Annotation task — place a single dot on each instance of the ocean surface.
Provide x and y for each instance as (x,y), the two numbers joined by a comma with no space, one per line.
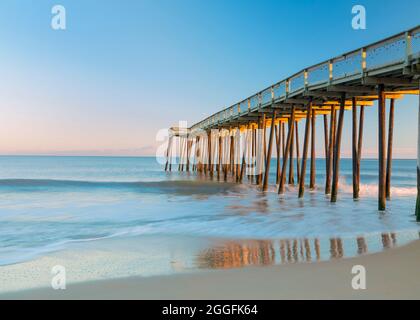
(51,204)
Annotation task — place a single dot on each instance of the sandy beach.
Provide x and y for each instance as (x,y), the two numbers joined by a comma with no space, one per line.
(392,274)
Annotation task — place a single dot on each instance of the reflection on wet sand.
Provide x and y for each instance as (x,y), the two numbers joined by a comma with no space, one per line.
(234,254)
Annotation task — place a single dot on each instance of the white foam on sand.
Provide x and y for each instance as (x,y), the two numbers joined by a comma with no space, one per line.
(106,259)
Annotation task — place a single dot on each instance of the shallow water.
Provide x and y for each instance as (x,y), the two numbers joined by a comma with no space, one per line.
(47,204)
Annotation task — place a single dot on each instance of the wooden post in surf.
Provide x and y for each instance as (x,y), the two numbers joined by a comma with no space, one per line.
(313,158)
(264,128)
(205,153)
(181,154)
(231,152)
(291,171)
(283,134)
(245,152)
(389,155)
(326,141)
(337,149)
(238,153)
(194,155)
(278,137)
(226,156)
(219,155)
(210,165)
(270,147)
(286,152)
(381,148)
(354,150)
(258,151)
(331,144)
(168,150)
(297,151)
(252,162)
(305,150)
(263,152)
(360,143)
(187,167)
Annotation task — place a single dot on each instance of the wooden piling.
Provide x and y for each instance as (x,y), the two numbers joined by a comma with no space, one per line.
(260,150)
(305,150)
(264,137)
(326,140)
(381,148)
(253,144)
(168,151)
(226,157)
(188,153)
(313,157)
(330,150)
(297,150)
(291,169)
(354,150)
(210,165)
(337,150)
(232,154)
(360,143)
(283,134)
(270,146)
(219,155)
(181,155)
(389,156)
(286,152)
(246,148)
(278,146)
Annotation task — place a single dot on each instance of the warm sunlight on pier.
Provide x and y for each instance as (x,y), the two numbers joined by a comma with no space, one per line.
(234,141)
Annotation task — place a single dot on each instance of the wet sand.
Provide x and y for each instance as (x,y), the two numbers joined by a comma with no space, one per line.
(393,274)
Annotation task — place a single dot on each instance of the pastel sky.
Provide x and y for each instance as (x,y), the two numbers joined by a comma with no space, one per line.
(122,70)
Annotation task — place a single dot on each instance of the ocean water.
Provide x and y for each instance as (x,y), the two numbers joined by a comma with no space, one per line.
(50,204)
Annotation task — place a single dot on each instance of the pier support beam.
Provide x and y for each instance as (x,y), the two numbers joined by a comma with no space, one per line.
(355,156)
(219,155)
(278,146)
(330,150)
(232,154)
(291,171)
(168,153)
(313,158)
(286,152)
(305,150)
(337,150)
(360,142)
(283,141)
(188,153)
(326,141)
(297,150)
(263,152)
(389,155)
(210,164)
(270,147)
(381,148)
(245,152)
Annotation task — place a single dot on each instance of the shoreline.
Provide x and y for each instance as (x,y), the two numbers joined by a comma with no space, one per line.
(391,274)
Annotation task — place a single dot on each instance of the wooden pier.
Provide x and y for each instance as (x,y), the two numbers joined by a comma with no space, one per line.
(233,144)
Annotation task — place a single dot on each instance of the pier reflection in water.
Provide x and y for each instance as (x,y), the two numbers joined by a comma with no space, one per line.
(235,254)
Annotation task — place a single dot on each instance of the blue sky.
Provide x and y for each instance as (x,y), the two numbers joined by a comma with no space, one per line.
(125,69)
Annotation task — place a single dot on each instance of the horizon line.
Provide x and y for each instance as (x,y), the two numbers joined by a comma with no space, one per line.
(149,156)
